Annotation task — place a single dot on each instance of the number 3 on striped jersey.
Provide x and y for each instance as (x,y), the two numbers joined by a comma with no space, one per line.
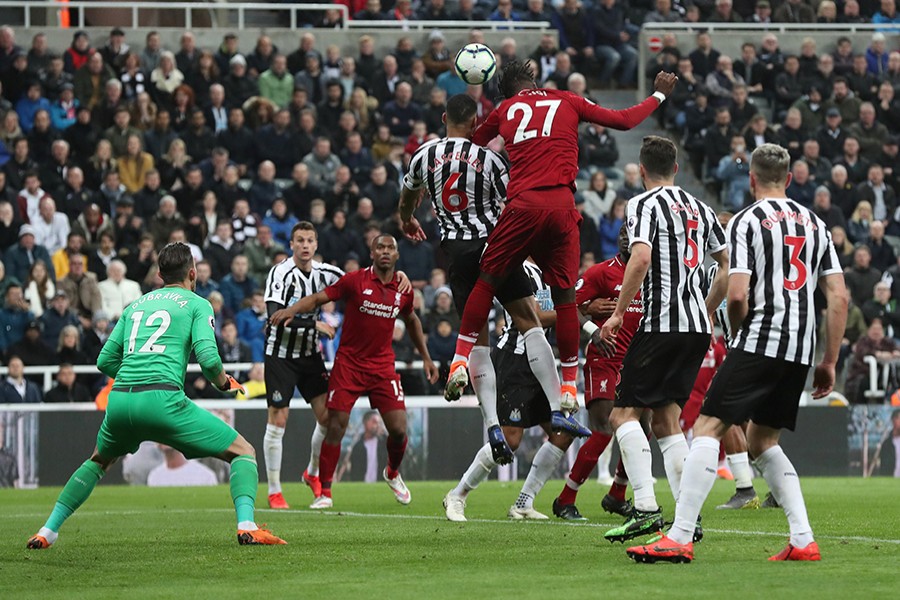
(454,199)
(796,243)
(693,258)
(522,133)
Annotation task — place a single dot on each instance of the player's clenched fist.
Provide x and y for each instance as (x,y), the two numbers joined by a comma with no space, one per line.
(665,83)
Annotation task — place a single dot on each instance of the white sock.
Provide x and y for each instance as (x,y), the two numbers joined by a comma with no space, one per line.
(272,452)
(698,480)
(740,468)
(477,472)
(48,534)
(315,447)
(782,478)
(604,460)
(546,459)
(484,382)
(247,526)
(638,462)
(674,449)
(543,364)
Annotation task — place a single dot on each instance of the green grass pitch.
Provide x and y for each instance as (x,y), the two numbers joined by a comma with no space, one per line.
(129,542)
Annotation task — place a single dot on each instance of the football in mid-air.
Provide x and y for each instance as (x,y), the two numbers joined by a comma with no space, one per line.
(475,64)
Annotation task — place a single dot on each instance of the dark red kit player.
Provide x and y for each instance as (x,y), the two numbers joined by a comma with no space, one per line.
(540,130)
(365,360)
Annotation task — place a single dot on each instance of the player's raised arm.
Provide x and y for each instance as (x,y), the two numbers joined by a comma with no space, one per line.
(628,118)
(414,328)
(111,354)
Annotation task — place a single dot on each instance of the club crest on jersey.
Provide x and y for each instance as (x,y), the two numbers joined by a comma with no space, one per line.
(367,292)
(603,385)
(515,415)
(397,297)
(579,284)
(277,397)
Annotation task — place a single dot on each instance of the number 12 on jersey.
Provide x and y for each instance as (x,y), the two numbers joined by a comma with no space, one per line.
(163,318)
(522,131)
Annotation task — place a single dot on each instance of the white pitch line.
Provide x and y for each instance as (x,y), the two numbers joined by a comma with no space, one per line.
(530,522)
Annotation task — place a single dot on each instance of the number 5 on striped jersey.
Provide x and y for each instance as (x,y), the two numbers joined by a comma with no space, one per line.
(692,258)
(795,244)
(453,199)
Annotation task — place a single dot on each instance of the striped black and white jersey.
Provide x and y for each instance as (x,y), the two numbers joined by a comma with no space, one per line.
(784,248)
(721,312)
(680,231)
(511,339)
(287,284)
(466,183)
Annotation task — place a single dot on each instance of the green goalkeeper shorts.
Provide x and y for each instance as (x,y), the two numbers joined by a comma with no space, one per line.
(165,416)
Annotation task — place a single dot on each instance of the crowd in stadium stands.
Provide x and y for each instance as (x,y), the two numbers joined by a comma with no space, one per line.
(108,152)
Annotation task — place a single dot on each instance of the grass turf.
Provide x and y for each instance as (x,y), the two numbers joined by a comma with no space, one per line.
(180,543)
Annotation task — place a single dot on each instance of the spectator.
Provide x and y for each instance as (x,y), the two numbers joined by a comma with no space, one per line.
(51,228)
(759,132)
(274,143)
(81,287)
(843,247)
(280,223)
(338,240)
(842,191)
(205,283)
(733,171)
(261,251)
(831,134)
(831,215)
(876,55)
(613,39)
(31,349)
(383,192)
(105,252)
(884,308)
(243,222)
(794,11)
(599,197)
(78,53)
(238,284)
(141,263)
(20,257)
(663,13)
(792,135)
(158,139)
(857,167)
(718,139)
(276,83)
(442,342)
(742,110)
(91,223)
(30,197)
(15,389)
(134,164)
(251,325)
(238,140)
(631,184)
(165,79)
(322,163)
(704,58)
(863,83)
(53,172)
(97,328)
(436,59)
(146,200)
(724,13)
(14,316)
(788,87)
(861,277)
(870,133)
(819,167)
(117,292)
(39,288)
(166,219)
(221,250)
(60,260)
(19,164)
(751,69)
(883,255)
(118,134)
(239,87)
(880,196)
(858,227)
(874,343)
(812,111)
(115,50)
(29,104)
(609,227)
(57,318)
(401,112)
(231,348)
(443,309)
(67,389)
(802,189)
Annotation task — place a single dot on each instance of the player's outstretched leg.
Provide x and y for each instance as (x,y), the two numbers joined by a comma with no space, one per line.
(545,461)
(564,505)
(484,382)
(73,495)
(782,478)
(738,459)
(272,450)
(475,315)
(478,471)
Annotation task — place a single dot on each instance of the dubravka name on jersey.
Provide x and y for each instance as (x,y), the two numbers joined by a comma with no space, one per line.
(173,296)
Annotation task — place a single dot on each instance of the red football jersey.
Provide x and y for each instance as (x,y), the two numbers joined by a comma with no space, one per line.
(371,307)
(604,280)
(540,128)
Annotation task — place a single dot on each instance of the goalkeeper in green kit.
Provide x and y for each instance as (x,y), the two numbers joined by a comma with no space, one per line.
(147,355)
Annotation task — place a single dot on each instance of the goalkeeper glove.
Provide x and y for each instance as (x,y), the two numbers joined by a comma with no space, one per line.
(232,385)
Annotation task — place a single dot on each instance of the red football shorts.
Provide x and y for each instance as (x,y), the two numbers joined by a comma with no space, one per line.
(600,380)
(691,411)
(347,383)
(551,237)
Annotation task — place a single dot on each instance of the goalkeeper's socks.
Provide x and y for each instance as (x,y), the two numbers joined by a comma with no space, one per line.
(49,535)
(243,483)
(74,494)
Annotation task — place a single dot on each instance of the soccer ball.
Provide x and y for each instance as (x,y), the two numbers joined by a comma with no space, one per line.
(475,64)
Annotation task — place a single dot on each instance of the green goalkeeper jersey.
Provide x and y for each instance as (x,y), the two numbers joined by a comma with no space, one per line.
(154,337)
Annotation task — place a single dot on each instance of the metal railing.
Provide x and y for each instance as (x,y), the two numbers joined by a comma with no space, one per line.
(428,25)
(77,9)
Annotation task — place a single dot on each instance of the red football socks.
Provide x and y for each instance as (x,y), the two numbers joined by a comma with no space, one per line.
(328,461)
(568,333)
(617,490)
(396,449)
(587,458)
(475,315)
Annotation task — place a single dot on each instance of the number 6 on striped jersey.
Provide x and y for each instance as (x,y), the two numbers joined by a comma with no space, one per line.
(796,243)
(454,200)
